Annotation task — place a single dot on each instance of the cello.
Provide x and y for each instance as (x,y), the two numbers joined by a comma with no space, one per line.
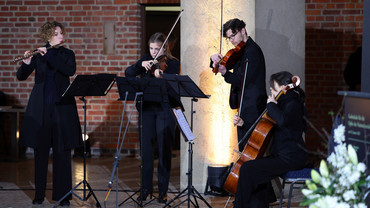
(258,141)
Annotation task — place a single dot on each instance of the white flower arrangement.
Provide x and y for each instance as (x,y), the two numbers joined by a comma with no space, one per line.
(343,183)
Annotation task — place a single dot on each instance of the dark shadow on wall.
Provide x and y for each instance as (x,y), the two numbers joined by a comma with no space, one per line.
(280,56)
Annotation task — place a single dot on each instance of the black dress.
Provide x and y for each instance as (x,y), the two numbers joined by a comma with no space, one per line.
(287,153)
(50,119)
(158,125)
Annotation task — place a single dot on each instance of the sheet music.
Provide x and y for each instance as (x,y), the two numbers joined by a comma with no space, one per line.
(185,128)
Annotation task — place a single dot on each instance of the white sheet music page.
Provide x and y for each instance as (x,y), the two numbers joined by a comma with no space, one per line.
(185,128)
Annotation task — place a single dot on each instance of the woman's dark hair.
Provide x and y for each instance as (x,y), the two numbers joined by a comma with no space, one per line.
(47,30)
(234,25)
(285,78)
(160,38)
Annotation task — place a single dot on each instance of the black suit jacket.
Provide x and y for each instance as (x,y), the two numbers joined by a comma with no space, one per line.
(288,142)
(69,128)
(255,97)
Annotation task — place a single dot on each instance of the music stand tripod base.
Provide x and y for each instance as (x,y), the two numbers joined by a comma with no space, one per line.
(87,85)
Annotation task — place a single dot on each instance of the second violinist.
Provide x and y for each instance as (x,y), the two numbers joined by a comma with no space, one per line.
(148,67)
(157,123)
(254,99)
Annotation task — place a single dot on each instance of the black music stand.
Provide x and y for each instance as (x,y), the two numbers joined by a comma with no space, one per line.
(87,85)
(148,89)
(184,86)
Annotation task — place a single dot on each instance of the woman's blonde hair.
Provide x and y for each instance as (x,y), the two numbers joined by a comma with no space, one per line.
(47,30)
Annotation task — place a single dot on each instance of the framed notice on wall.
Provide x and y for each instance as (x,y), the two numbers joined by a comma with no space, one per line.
(357,122)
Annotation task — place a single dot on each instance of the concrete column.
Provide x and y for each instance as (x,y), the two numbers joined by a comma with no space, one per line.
(213,128)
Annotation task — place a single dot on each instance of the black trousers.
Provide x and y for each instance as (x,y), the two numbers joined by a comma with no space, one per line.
(62,173)
(254,184)
(158,126)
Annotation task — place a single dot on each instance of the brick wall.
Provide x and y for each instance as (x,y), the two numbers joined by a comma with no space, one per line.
(84,19)
(333,31)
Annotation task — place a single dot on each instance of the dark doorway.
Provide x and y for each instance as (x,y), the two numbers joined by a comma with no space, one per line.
(160,21)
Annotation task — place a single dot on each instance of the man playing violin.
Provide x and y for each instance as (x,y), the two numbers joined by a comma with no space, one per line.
(254,98)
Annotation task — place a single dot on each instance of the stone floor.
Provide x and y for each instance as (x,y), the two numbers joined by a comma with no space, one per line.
(17,186)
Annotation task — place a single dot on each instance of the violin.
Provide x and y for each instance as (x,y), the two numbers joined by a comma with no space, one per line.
(231,57)
(258,141)
(159,63)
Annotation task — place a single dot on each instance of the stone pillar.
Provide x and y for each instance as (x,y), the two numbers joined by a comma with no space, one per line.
(213,128)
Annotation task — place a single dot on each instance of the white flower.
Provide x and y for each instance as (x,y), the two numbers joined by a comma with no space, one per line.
(348,195)
(340,183)
(339,134)
(361,205)
(361,167)
(354,177)
(306,192)
(327,202)
(352,154)
(324,169)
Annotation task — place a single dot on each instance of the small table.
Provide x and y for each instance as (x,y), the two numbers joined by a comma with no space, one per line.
(14,129)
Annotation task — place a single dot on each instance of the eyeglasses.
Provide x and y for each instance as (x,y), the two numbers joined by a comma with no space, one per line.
(232,36)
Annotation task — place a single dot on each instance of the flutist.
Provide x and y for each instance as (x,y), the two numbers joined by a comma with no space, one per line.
(51,121)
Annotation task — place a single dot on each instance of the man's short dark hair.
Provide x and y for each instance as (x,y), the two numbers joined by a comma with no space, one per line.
(234,25)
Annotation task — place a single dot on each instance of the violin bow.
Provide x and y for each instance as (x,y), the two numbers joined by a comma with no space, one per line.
(222,28)
(165,41)
(242,95)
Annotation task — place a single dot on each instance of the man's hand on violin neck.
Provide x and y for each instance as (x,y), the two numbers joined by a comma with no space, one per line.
(216,58)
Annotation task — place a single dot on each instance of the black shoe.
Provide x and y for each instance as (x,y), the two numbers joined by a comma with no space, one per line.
(37,201)
(145,193)
(162,198)
(64,203)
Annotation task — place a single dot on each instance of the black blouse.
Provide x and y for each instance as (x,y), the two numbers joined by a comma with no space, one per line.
(288,139)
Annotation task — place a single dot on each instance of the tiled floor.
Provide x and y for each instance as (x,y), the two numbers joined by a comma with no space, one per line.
(17,184)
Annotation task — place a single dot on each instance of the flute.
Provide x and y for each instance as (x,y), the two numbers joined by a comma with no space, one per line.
(20,58)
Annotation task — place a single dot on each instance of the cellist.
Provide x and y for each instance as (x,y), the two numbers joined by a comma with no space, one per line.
(288,151)
(254,99)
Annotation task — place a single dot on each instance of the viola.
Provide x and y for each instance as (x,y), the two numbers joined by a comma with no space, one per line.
(257,143)
(159,63)
(231,57)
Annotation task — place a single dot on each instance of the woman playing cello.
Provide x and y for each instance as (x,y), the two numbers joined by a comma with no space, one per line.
(287,149)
